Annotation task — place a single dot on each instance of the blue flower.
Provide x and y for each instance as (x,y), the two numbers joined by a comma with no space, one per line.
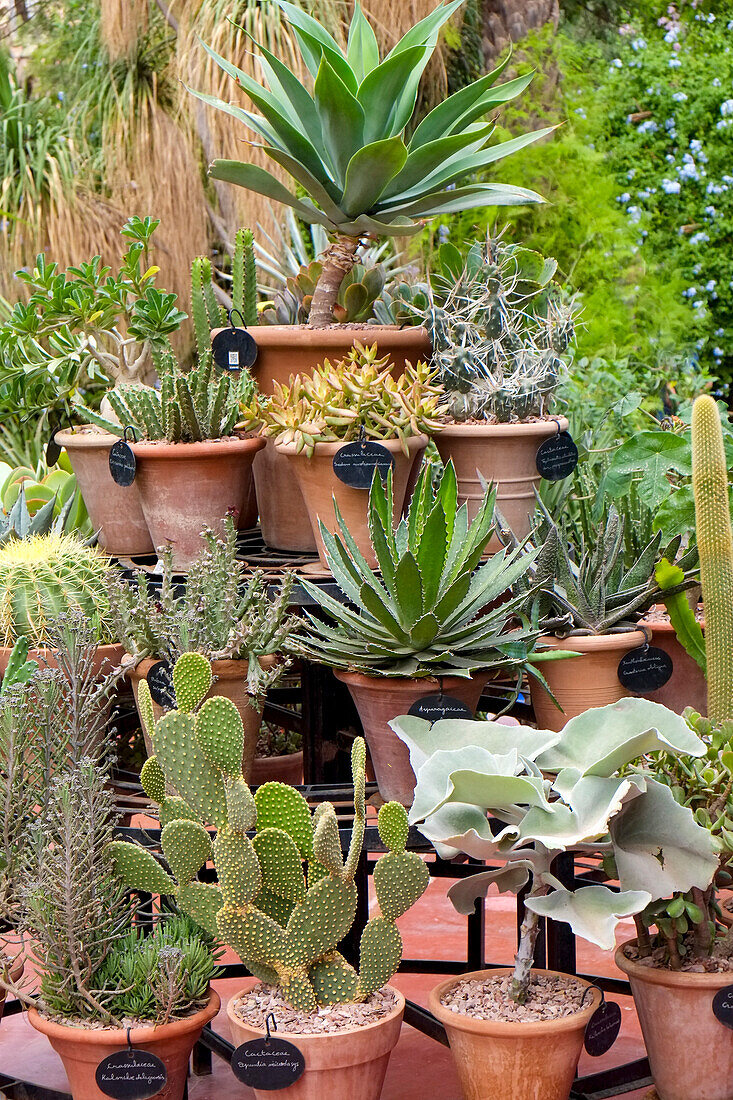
(675,63)
(617,63)
(638,44)
(671,187)
(698,304)
(699,238)
(623,198)
(690,292)
(710,284)
(580,111)
(634,213)
(718,353)
(726,107)
(679,97)
(710,211)
(716,81)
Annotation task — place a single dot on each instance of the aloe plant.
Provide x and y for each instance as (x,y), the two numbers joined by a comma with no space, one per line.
(427,610)
(585,806)
(344,144)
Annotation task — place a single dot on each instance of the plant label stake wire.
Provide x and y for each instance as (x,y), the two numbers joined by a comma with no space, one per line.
(234,348)
(131,1074)
(122,461)
(434,707)
(268,1063)
(557,457)
(354,463)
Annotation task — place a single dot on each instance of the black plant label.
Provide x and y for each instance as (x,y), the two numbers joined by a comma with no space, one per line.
(268,1064)
(557,457)
(233,349)
(354,463)
(602,1029)
(53,449)
(131,1074)
(723,1006)
(435,707)
(645,669)
(122,463)
(160,682)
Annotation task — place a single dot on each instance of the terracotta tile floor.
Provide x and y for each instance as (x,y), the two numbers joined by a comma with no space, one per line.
(420,1069)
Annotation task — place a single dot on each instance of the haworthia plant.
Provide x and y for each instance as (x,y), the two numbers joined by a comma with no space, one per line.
(284,924)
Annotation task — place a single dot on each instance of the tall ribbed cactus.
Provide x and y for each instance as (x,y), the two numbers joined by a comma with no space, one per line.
(244,277)
(284,924)
(45,576)
(715,546)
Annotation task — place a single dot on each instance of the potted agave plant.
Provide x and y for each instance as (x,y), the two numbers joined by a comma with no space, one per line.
(342,136)
(284,928)
(356,399)
(229,617)
(501,334)
(590,601)
(519,1033)
(680,960)
(426,622)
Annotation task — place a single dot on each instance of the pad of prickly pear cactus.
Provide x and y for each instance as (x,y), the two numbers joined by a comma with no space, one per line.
(220,734)
(277,908)
(238,868)
(280,864)
(192,678)
(285,808)
(145,708)
(187,770)
(380,952)
(393,826)
(172,808)
(187,847)
(327,842)
(152,779)
(320,921)
(400,878)
(254,936)
(202,901)
(298,992)
(241,808)
(139,869)
(334,981)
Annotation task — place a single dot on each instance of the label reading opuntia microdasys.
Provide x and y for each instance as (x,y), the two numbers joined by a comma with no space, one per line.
(131,1075)
(268,1064)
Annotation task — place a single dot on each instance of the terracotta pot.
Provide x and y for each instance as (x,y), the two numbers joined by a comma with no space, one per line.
(319,485)
(296,349)
(115,512)
(503,454)
(231,682)
(248,511)
(284,769)
(106,658)
(580,683)
(185,487)
(350,1064)
(378,700)
(82,1049)
(521,1061)
(16,973)
(687,686)
(690,1051)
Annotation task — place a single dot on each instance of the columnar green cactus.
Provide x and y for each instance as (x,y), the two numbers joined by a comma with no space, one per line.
(285,927)
(244,277)
(715,546)
(45,576)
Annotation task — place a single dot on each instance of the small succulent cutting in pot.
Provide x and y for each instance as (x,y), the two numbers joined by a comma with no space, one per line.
(357,174)
(519,1033)
(432,624)
(284,927)
(591,598)
(343,422)
(501,333)
(104,994)
(230,616)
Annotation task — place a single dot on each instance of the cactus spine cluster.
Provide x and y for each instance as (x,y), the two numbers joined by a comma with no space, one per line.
(715,547)
(283,923)
(45,576)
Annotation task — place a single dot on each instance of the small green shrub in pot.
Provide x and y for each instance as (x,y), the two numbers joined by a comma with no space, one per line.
(549,793)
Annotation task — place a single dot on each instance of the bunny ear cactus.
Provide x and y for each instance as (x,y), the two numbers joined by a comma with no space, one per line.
(343,138)
(284,924)
(583,806)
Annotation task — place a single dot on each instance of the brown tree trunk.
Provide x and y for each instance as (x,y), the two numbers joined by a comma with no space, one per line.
(338,260)
(507,21)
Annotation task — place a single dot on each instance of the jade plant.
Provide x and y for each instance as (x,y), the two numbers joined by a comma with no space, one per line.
(284,925)
(524,797)
(357,397)
(342,136)
(431,608)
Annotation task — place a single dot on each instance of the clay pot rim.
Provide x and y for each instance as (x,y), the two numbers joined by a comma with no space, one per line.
(106,650)
(316,1040)
(207,448)
(506,1029)
(227,668)
(528,428)
(673,979)
(139,1036)
(335,336)
(283,756)
(595,643)
(327,449)
(362,680)
(85,436)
